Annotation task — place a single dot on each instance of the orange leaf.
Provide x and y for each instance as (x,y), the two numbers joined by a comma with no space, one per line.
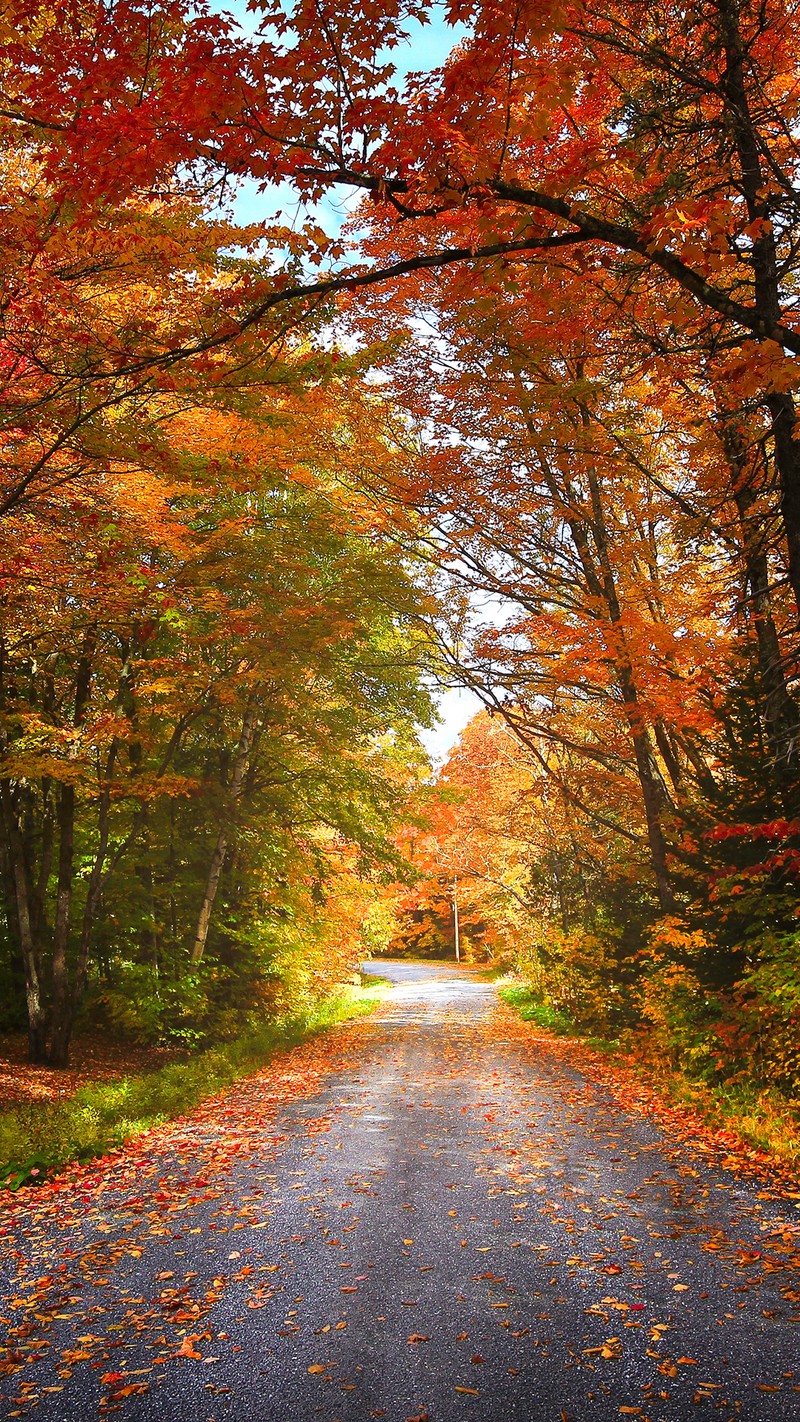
(187,1348)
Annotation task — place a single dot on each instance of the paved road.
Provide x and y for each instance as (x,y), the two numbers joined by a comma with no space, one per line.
(449,1224)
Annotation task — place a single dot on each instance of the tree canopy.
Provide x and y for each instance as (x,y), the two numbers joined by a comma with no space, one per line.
(527,423)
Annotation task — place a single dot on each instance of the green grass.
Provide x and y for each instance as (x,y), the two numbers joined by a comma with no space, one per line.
(36,1140)
(531,1009)
(371,979)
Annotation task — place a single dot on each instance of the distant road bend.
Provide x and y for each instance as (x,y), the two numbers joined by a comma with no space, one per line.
(425,1217)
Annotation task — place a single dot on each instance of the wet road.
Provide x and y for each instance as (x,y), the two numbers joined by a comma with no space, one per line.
(429,1216)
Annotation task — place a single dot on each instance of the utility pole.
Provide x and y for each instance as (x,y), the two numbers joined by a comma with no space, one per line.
(455,919)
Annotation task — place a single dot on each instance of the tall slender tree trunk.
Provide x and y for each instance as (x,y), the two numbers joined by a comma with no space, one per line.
(25,919)
(63,1002)
(600,580)
(766,275)
(780,711)
(654,794)
(221,847)
(62,1012)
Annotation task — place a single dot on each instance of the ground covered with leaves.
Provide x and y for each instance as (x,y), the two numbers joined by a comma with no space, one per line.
(433,1213)
(81,1114)
(93,1058)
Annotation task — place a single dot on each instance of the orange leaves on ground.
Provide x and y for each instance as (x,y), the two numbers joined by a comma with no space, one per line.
(188,1349)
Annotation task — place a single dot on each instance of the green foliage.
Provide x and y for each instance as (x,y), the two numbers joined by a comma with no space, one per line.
(210,1003)
(36,1139)
(745,1032)
(767,1004)
(580,975)
(533,1009)
(227,643)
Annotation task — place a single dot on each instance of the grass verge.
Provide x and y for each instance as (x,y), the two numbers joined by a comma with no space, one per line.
(37,1140)
(532,1009)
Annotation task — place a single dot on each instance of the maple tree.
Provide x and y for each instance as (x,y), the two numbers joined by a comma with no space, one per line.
(527,425)
(548,129)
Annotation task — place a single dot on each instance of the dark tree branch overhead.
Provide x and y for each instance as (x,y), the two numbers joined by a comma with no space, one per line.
(589,229)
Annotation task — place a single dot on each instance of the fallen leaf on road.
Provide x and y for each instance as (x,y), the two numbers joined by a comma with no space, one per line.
(187,1349)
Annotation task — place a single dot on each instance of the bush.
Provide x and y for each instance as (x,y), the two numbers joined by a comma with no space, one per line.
(576,974)
(766,1001)
(209,1003)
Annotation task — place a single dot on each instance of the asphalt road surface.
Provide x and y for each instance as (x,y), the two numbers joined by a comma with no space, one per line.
(427,1217)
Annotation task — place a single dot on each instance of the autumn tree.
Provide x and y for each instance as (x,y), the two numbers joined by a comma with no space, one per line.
(215,639)
(658,154)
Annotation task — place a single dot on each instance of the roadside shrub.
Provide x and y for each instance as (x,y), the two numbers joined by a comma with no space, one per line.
(210,1003)
(680,1013)
(766,1001)
(575,975)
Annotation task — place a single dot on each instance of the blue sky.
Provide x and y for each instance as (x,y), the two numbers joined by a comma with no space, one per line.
(427,47)
(456,708)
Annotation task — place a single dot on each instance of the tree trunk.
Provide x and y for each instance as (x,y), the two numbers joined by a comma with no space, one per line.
(24,925)
(601,583)
(766,280)
(62,1010)
(221,846)
(654,793)
(63,1001)
(780,711)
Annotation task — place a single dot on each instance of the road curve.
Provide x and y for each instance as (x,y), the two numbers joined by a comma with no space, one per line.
(427,1217)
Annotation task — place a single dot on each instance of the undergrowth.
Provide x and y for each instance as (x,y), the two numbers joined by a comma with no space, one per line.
(531,1009)
(762,1116)
(36,1140)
